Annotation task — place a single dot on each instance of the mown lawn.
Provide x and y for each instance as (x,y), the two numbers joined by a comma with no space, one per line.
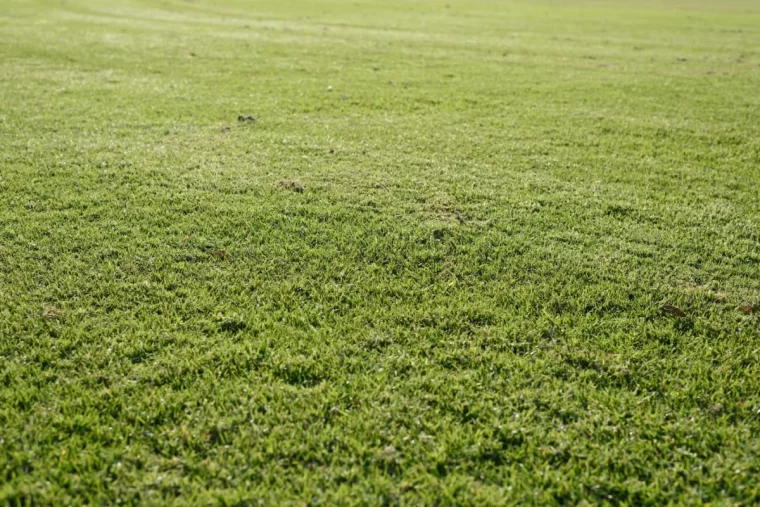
(430,271)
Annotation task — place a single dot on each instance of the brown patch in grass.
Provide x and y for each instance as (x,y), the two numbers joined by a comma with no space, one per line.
(292,185)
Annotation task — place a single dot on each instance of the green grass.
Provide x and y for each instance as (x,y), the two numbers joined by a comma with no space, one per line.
(461,307)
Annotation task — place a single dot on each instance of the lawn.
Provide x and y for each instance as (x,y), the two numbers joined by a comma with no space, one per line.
(379,252)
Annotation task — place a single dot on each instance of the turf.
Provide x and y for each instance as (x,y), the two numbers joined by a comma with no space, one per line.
(431,271)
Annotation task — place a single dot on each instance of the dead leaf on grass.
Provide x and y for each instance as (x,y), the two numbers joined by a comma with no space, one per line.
(673,310)
(747,308)
(51,312)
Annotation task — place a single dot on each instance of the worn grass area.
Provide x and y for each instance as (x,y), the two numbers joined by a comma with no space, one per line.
(430,271)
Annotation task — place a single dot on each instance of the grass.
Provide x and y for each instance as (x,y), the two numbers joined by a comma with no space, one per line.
(431,271)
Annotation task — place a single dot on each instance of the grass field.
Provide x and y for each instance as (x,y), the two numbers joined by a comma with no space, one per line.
(431,271)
